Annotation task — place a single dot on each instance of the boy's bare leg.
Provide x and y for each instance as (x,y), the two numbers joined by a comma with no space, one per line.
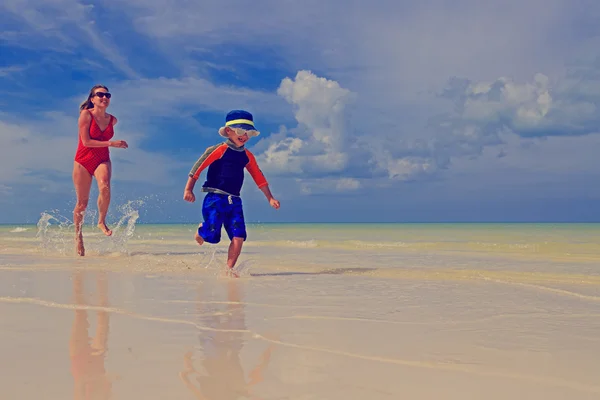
(198,237)
(235,248)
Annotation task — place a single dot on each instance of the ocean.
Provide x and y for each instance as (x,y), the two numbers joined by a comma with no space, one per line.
(373,249)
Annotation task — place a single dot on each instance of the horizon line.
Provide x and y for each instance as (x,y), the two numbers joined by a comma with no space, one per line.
(352,222)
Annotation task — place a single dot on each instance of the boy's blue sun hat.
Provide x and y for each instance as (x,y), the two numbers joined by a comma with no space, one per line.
(240,119)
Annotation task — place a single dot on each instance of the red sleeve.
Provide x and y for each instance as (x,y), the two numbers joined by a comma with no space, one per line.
(255,171)
(211,154)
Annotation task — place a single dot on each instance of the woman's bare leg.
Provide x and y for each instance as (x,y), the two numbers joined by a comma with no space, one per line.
(103,175)
(82,180)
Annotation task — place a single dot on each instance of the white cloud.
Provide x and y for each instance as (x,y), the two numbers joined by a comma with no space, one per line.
(61,25)
(11,70)
(28,150)
(542,169)
(347,184)
(5,190)
(319,104)
(328,185)
(487,111)
(530,109)
(184,19)
(525,104)
(318,145)
(408,168)
(322,146)
(187,96)
(282,156)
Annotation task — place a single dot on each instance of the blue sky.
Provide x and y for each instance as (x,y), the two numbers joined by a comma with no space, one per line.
(369,111)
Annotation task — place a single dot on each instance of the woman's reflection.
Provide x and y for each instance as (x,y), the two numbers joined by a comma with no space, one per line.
(88,354)
(223,377)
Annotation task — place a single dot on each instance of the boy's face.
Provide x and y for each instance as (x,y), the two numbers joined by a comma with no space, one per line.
(237,135)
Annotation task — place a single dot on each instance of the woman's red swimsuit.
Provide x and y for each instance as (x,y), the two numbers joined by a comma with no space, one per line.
(91,157)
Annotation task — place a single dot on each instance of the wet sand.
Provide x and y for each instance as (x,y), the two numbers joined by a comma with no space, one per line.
(128,336)
(160,322)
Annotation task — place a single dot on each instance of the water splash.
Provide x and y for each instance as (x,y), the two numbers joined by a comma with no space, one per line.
(123,230)
(52,232)
(56,232)
(243,268)
(214,259)
(212,255)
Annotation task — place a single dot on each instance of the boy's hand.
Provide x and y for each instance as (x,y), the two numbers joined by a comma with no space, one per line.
(188,195)
(274,203)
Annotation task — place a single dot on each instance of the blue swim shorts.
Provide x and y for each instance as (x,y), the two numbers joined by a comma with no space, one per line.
(220,210)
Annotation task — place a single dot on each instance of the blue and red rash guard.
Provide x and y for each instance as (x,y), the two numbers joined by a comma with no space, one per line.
(226,164)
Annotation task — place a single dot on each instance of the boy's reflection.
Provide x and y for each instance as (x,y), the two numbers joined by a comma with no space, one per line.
(87,359)
(224,376)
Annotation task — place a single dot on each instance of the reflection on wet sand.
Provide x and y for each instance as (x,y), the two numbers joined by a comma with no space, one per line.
(87,354)
(223,377)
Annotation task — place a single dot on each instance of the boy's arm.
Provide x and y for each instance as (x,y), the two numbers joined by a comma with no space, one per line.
(272,201)
(210,155)
(267,192)
(260,180)
(188,192)
(255,172)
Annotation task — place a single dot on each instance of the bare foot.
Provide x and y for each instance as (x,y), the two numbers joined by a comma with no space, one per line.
(79,245)
(199,238)
(232,273)
(102,226)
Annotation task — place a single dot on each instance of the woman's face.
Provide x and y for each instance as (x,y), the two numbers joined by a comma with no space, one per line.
(101,98)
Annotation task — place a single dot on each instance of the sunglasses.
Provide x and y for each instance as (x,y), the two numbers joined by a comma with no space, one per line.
(242,132)
(102,94)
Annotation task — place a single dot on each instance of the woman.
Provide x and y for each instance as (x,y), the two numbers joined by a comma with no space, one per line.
(96,129)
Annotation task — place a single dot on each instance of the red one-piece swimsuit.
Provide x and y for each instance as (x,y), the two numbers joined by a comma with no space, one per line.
(91,157)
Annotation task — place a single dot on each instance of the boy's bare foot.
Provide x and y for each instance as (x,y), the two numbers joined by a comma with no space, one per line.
(102,226)
(232,273)
(199,238)
(79,245)
(229,272)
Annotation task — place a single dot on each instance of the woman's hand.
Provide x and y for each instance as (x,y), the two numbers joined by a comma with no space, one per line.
(120,144)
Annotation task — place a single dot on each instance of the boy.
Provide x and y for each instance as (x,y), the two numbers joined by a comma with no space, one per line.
(222,204)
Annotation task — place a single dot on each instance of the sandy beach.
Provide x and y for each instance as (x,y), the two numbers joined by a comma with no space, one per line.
(147,314)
